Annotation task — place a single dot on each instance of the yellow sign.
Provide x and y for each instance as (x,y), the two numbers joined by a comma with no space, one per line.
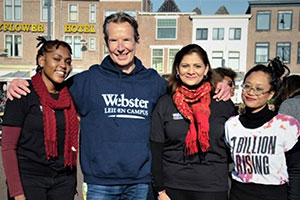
(72,28)
(21,27)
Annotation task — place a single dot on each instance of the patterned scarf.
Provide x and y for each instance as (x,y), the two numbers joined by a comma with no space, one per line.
(50,104)
(198,115)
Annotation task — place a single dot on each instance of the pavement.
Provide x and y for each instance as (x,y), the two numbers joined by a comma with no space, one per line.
(3,189)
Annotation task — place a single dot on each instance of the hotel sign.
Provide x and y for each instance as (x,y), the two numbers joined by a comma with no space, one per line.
(73,28)
(21,27)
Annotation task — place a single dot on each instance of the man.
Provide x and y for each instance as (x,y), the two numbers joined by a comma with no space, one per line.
(229,75)
(115,101)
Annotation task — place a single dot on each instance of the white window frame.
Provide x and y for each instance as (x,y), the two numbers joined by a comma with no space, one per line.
(92,12)
(234,32)
(281,48)
(41,13)
(13,10)
(218,34)
(215,57)
(201,31)
(13,46)
(281,20)
(162,56)
(261,13)
(69,12)
(90,47)
(170,64)
(262,45)
(72,45)
(166,18)
(234,59)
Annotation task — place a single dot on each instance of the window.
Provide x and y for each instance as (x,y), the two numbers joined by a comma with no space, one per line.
(74,42)
(234,60)
(73,12)
(13,44)
(157,59)
(235,33)
(263,20)
(285,20)
(298,59)
(132,13)
(44,11)
(217,59)
(13,10)
(218,34)
(172,53)
(166,28)
(92,13)
(261,52)
(105,51)
(201,33)
(109,12)
(92,44)
(284,51)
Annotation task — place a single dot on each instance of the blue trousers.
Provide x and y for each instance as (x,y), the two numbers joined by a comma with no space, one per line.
(117,192)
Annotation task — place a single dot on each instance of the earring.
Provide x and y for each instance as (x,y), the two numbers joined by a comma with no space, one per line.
(177,76)
(204,77)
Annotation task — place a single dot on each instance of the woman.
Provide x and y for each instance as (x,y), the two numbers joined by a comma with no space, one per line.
(259,139)
(290,95)
(190,161)
(40,131)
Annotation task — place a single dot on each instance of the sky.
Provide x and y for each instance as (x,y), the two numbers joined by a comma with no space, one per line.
(207,7)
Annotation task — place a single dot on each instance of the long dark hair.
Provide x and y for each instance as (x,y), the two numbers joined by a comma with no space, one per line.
(46,46)
(290,87)
(174,82)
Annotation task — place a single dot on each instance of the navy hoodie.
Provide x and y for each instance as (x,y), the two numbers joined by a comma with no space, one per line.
(115,110)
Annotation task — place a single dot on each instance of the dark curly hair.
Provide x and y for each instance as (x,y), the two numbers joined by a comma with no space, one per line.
(276,71)
(47,46)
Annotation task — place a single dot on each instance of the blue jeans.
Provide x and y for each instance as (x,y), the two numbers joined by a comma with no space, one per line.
(117,192)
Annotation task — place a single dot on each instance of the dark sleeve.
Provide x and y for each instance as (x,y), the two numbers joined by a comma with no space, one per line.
(293,164)
(157,143)
(15,111)
(157,121)
(10,136)
(157,166)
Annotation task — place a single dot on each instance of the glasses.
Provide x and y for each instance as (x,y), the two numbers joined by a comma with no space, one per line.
(257,91)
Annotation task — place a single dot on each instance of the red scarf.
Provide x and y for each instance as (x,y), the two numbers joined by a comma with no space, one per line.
(198,114)
(50,104)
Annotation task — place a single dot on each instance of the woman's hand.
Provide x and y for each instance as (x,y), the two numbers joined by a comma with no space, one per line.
(20,197)
(163,196)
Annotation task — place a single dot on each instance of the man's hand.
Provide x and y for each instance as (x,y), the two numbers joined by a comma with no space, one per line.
(16,88)
(20,197)
(222,91)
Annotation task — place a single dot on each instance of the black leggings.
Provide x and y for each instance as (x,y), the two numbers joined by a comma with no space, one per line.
(176,194)
(59,187)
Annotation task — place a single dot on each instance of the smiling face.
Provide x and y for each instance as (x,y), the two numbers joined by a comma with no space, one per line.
(192,69)
(260,81)
(122,45)
(56,67)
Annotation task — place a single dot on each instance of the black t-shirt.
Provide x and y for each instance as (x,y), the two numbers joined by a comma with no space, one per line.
(27,114)
(207,172)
